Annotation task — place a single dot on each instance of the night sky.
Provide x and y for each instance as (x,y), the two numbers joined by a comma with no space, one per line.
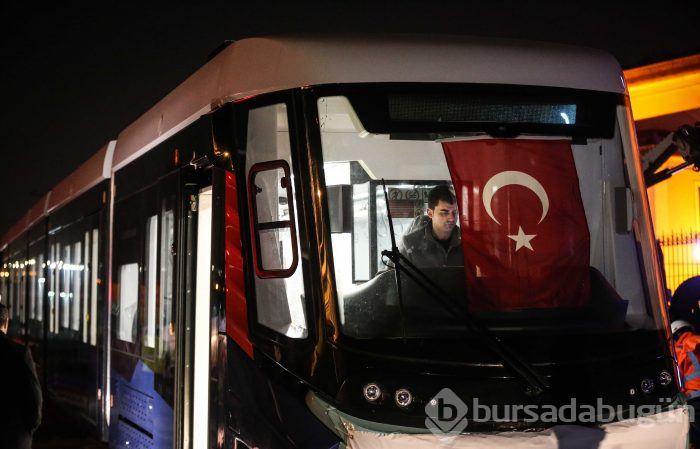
(74,76)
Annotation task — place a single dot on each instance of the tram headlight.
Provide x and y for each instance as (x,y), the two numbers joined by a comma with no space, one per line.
(372,392)
(665,378)
(647,385)
(403,397)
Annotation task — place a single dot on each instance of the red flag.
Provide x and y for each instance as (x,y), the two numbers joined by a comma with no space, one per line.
(524,233)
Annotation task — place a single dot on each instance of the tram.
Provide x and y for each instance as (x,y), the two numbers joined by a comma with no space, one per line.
(227,272)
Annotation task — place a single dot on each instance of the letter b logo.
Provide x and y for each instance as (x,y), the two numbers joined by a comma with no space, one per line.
(446,415)
(446,411)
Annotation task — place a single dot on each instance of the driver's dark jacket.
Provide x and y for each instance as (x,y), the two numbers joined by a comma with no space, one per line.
(424,251)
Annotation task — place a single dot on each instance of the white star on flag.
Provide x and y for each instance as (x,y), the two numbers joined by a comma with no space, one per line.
(522,239)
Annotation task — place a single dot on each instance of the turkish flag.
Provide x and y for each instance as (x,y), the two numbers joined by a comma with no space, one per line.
(524,233)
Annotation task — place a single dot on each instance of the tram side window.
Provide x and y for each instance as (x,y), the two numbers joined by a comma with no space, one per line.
(68,280)
(39,284)
(76,292)
(52,265)
(151,272)
(128,301)
(22,294)
(279,283)
(93,285)
(3,284)
(31,271)
(138,277)
(166,328)
(65,286)
(86,282)
(127,265)
(85,275)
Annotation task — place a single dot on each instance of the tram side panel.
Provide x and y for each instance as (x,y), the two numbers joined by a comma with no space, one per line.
(36,291)
(266,405)
(74,267)
(16,274)
(146,326)
(269,316)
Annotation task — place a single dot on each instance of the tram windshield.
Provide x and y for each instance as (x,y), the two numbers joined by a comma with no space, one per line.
(519,210)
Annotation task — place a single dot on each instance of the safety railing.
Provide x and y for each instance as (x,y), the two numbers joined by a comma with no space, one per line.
(681,254)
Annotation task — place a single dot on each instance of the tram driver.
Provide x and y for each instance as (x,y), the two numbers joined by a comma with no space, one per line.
(435,241)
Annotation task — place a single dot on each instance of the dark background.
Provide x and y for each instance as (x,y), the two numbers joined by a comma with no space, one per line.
(74,75)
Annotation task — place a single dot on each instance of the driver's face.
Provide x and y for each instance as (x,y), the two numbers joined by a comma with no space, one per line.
(444,218)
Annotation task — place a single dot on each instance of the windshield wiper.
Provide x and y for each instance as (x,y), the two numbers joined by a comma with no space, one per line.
(397,273)
(536,384)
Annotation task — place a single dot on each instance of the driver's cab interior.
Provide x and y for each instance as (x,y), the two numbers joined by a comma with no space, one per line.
(362,169)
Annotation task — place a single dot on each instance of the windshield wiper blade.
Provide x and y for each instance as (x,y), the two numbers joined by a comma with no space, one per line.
(397,273)
(536,384)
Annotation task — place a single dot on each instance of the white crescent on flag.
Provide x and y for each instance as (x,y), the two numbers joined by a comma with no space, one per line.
(506,178)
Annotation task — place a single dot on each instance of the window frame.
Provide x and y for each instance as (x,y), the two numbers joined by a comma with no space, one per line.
(268,340)
(256,227)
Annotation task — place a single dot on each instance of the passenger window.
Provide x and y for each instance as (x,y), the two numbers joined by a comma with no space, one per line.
(65,287)
(76,292)
(53,287)
(93,286)
(85,275)
(128,301)
(279,282)
(40,283)
(31,271)
(166,330)
(151,271)
(129,229)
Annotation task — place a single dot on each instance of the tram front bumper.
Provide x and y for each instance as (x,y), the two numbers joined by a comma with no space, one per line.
(665,430)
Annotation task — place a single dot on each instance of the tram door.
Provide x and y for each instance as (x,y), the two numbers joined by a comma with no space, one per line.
(165,317)
(146,254)
(201,358)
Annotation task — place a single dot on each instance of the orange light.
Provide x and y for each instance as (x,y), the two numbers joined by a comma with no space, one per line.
(664,88)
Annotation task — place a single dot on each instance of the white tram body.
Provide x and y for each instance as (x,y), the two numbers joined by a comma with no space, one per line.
(245,265)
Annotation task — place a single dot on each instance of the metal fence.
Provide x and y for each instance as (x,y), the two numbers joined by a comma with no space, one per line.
(681,257)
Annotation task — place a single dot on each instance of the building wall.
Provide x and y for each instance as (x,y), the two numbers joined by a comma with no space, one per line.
(675,202)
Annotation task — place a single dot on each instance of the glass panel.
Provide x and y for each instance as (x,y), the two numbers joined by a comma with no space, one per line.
(76,269)
(85,275)
(166,329)
(360,234)
(280,302)
(93,287)
(22,309)
(4,273)
(151,275)
(128,302)
(276,249)
(52,265)
(65,295)
(271,198)
(40,288)
(512,200)
(32,270)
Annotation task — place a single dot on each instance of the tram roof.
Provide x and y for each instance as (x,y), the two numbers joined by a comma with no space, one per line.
(94,170)
(255,66)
